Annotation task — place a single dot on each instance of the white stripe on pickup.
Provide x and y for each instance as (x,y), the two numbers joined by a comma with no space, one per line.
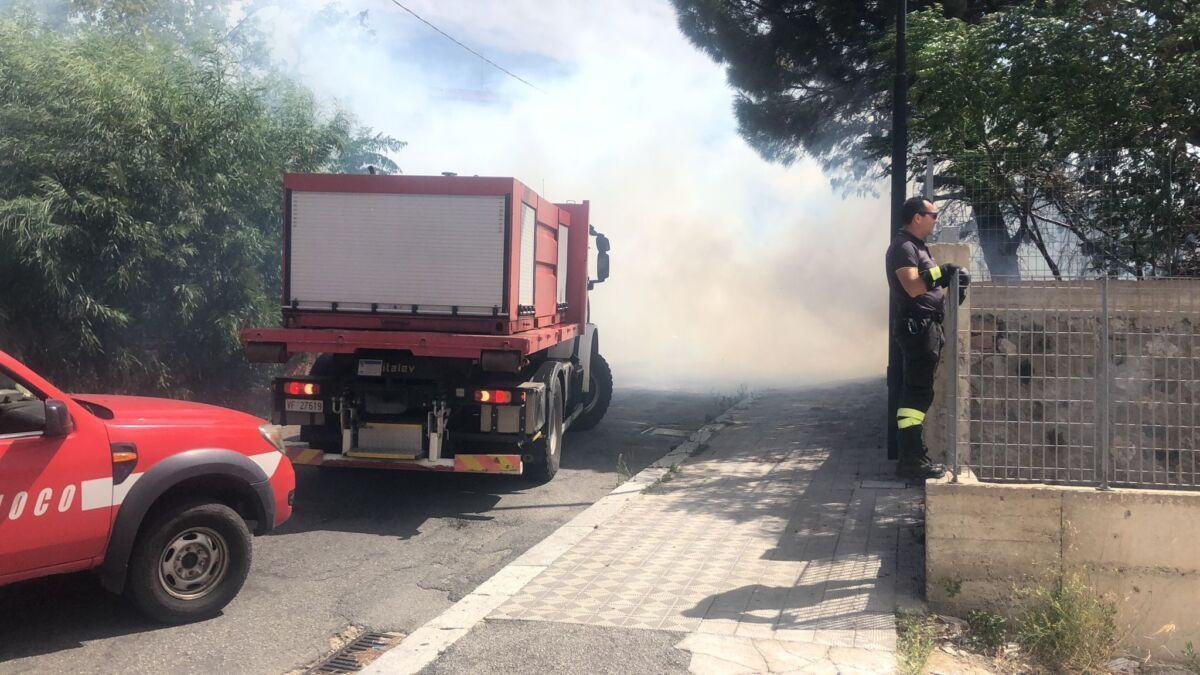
(96,494)
(100,493)
(268,462)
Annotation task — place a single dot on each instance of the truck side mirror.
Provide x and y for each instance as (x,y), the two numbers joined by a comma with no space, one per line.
(602,248)
(58,420)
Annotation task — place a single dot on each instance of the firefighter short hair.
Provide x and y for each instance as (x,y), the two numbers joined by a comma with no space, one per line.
(911,207)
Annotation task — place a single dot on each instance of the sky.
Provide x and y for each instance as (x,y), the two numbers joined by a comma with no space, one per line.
(726,269)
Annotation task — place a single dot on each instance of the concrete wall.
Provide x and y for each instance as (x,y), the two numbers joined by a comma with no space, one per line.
(983,540)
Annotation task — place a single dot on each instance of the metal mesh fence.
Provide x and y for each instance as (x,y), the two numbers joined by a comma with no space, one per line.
(1033,370)
(1088,382)
(1154,382)
(1083,356)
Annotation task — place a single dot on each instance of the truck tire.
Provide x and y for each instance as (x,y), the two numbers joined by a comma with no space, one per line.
(596,401)
(189,562)
(547,450)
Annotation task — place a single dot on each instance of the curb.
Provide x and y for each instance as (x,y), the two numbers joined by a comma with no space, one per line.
(424,645)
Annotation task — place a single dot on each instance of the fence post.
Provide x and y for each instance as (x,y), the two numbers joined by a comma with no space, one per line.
(1103,432)
(952,393)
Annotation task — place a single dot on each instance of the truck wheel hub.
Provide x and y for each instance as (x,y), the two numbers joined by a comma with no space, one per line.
(193,564)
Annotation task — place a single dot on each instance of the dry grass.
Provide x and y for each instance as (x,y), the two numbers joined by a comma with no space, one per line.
(1068,626)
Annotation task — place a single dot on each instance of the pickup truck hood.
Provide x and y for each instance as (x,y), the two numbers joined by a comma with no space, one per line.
(142,410)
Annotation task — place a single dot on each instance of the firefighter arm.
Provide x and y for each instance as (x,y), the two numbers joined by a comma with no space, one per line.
(910,279)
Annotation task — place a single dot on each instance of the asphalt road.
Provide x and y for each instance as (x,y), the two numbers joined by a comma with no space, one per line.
(377,550)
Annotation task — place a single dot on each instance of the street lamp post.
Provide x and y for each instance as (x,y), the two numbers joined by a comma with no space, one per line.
(899,189)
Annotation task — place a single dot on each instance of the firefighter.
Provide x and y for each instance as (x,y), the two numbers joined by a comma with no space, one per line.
(918,284)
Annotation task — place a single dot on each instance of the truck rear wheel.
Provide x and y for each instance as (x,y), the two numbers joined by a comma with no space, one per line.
(599,396)
(547,450)
(189,562)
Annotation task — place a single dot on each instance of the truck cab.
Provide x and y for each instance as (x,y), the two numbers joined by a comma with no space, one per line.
(158,496)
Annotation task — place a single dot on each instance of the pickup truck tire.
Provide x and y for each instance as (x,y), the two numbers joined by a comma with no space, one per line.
(189,562)
(597,399)
(547,450)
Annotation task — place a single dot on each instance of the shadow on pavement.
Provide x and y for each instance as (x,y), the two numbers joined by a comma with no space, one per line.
(67,612)
(829,605)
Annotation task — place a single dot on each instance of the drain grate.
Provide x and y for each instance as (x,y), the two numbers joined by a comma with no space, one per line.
(357,654)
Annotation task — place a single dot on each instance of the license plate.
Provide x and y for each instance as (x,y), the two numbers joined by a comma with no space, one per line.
(307,405)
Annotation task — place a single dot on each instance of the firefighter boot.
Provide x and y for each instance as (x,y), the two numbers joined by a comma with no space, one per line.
(914,461)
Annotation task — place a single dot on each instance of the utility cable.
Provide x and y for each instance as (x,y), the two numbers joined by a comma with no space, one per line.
(451,38)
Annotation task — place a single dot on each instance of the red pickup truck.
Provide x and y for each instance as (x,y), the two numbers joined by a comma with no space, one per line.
(158,496)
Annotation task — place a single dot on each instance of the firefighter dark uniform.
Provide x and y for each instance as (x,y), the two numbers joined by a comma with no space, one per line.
(918,330)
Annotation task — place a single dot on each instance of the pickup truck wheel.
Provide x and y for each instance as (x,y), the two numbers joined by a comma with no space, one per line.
(547,450)
(599,396)
(189,562)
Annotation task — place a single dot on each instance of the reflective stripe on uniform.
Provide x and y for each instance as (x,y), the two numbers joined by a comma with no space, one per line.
(935,272)
(912,413)
(906,422)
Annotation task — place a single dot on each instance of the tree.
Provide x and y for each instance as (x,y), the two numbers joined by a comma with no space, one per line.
(143,143)
(140,206)
(1072,131)
(364,149)
(1083,111)
(812,76)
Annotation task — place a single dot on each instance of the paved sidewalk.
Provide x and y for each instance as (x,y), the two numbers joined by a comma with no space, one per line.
(784,545)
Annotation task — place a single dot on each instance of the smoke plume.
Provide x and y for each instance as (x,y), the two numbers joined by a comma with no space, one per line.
(725,269)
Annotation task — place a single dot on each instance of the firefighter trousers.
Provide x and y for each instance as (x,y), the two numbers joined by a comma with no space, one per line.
(921,341)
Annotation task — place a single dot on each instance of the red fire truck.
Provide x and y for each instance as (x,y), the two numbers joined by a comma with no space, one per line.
(449,319)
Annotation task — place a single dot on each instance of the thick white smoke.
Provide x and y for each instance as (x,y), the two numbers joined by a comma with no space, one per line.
(726,269)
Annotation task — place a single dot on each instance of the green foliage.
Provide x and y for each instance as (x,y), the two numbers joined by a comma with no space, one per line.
(915,637)
(364,149)
(140,206)
(811,76)
(1115,85)
(142,144)
(988,632)
(1191,659)
(1004,88)
(1068,626)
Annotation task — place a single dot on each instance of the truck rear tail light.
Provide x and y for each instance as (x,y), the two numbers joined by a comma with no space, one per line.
(497,396)
(301,388)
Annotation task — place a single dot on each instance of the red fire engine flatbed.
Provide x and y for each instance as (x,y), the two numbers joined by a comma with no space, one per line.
(446,345)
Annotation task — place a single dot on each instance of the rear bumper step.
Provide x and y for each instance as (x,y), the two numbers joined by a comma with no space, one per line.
(491,463)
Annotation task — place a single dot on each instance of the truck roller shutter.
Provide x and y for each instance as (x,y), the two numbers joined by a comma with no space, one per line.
(561,271)
(391,252)
(528,256)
